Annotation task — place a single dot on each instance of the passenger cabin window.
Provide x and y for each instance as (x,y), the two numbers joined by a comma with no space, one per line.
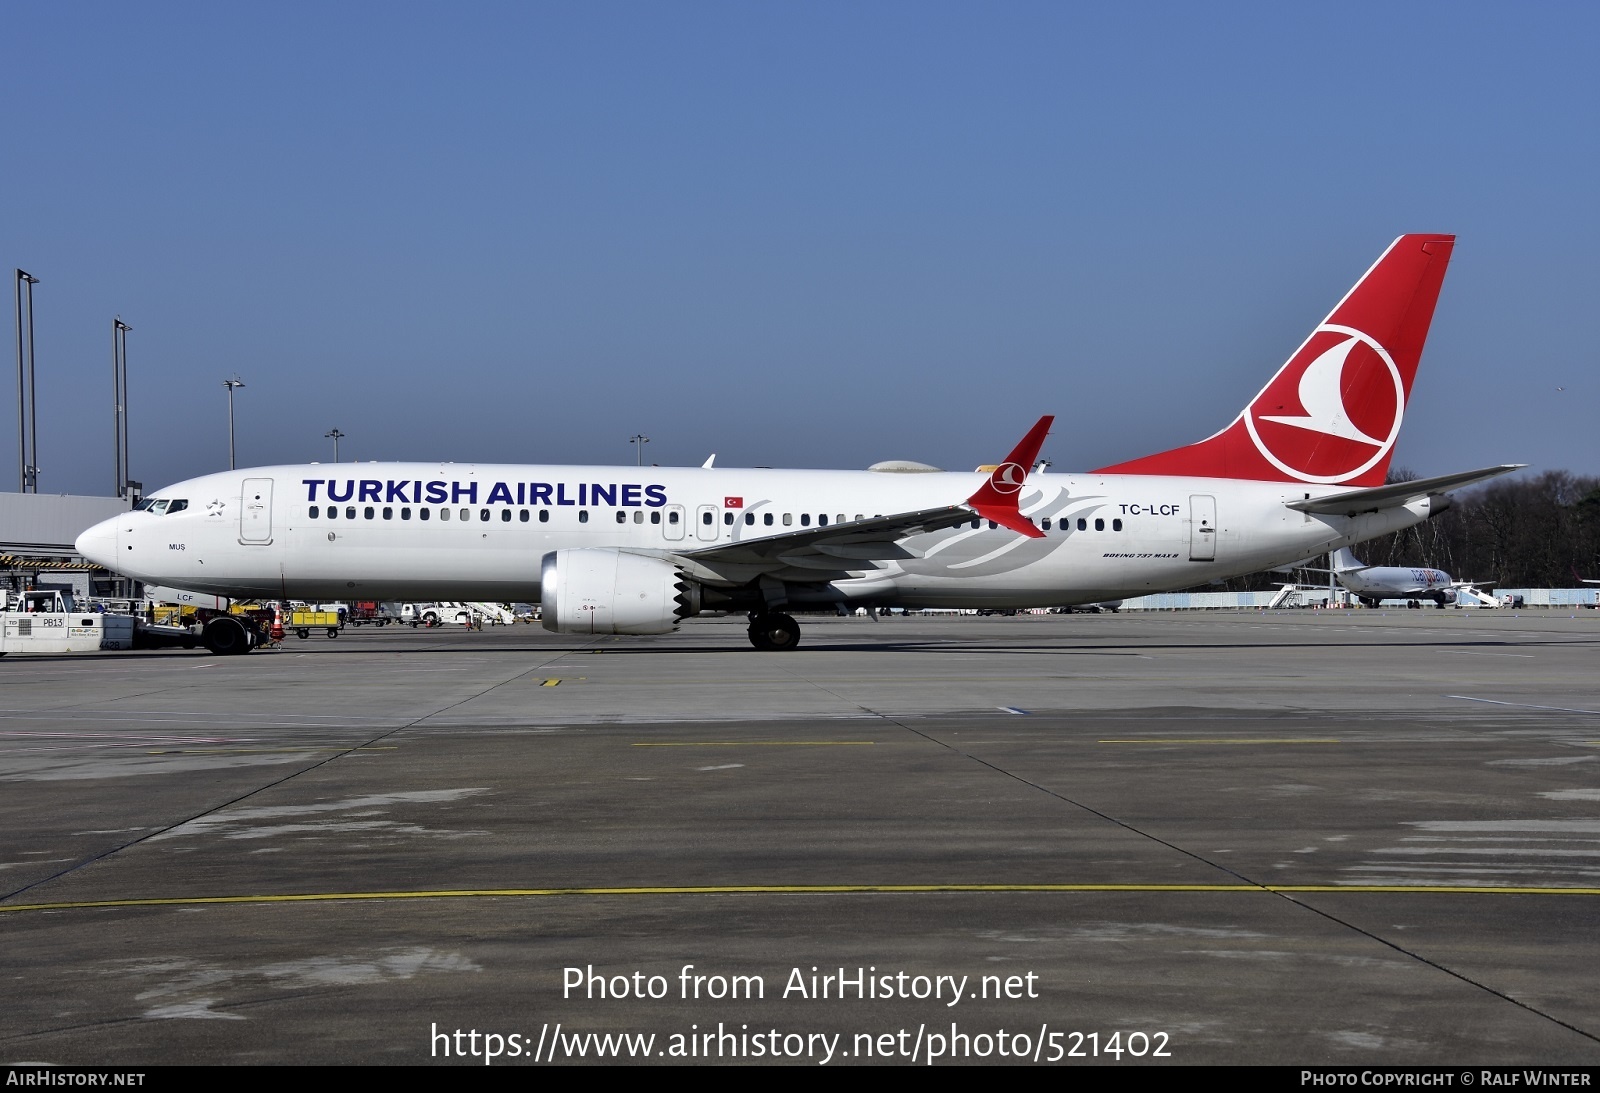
(638,517)
(766,518)
(622,517)
(705,518)
(444,514)
(672,518)
(312,512)
(788,519)
(1083,525)
(655,518)
(583,516)
(749,518)
(466,514)
(367,512)
(483,514)
(1046,523)
(388,513)
(405,514)
(522,514)
(544,516)
(1099,524)
(727,518)
(349,512)
(1116,525)
(805,519)
(424,514)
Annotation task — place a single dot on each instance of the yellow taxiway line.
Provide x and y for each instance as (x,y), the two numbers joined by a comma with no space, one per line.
(813,890)
(756,744)
(1239,740)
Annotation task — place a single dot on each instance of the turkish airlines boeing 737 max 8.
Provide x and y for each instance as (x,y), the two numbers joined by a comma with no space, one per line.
(612,550)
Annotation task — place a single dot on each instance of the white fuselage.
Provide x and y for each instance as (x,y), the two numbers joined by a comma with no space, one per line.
(409,531)
(1394,582)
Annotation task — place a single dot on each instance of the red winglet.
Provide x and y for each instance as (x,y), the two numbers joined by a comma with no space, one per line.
(996,499)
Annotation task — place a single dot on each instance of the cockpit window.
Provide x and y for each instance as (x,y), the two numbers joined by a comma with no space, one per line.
(177,506)
(158,506)
(144,503)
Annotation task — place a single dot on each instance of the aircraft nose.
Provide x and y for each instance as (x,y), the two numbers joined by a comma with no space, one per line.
(99,543)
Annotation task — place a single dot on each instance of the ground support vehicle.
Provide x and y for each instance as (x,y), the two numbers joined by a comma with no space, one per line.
(364,612)
(303,620)
(238,630)
(50,622)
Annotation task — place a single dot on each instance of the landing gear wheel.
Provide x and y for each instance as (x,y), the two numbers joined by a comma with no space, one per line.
(226,637)
(773,632)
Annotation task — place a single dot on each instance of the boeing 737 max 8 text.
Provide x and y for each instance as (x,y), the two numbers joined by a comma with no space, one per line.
(611,550)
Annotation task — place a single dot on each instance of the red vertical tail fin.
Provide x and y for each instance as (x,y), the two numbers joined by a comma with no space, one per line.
(1333,411)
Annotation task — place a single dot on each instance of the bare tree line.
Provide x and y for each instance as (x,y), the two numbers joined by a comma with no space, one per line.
(1538,532)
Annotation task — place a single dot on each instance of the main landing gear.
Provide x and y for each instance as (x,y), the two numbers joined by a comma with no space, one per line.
(773,630)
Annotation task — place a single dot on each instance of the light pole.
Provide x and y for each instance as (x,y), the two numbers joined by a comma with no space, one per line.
(335,434)
(119,398)
(27,410)
(230,385)
(641,440)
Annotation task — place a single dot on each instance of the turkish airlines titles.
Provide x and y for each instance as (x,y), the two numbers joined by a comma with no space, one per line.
(418,492)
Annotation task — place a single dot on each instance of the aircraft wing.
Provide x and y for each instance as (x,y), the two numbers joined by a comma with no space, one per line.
(835,549)
(1397,493)
(829,553)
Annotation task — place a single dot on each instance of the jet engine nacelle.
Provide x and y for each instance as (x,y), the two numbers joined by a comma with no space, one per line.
(588,590)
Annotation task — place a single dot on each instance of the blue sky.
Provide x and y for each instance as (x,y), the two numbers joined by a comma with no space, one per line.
(792,234)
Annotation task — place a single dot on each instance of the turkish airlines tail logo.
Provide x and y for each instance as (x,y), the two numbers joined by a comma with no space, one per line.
(1332,413)
(1350,400)
(1322,395)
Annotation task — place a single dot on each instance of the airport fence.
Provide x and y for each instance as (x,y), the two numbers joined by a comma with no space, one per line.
(1189,601)
(1202,601)
(1553,597)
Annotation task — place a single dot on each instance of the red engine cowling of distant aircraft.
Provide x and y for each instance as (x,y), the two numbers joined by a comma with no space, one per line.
(588,590)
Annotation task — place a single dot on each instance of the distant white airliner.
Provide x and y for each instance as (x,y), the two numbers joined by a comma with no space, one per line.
(1372,584)
(615,550)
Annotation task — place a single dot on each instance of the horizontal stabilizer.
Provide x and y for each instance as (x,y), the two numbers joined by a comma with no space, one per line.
(1397,493)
